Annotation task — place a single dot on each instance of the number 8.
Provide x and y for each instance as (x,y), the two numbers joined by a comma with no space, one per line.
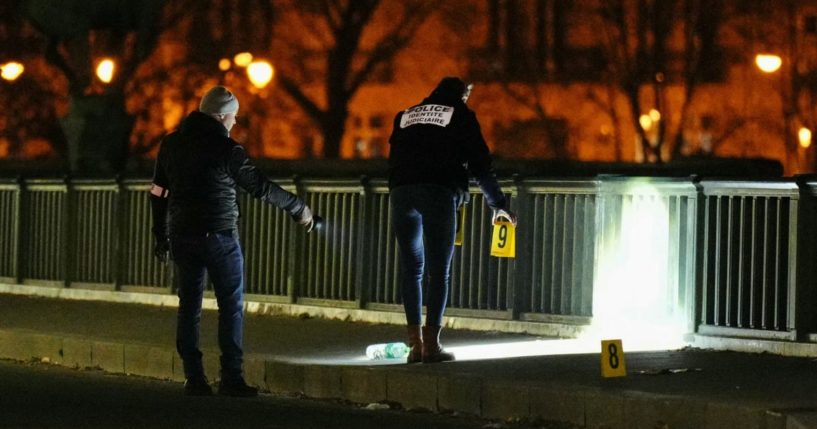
(613,355)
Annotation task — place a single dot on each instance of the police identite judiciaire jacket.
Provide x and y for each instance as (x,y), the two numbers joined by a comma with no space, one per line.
(439,141)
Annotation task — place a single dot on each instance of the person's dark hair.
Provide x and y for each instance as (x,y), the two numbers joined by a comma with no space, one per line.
(449,89)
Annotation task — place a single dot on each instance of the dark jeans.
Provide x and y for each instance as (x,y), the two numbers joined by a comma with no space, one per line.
(428,211)
(220,255)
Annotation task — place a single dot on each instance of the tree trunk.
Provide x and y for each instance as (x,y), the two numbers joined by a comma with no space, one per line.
(493,28)
(541,37)
(333,128)
(560,44)
(616,120)
(635,107)
(97,129)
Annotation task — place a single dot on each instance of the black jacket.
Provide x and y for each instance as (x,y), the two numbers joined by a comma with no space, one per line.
(194,182)
(439,141)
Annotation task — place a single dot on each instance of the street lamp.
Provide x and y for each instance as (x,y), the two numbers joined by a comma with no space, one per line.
(768,63)
(243,59)
(11,71)
(105,70)
(645,121)
(260,73)
(804,135)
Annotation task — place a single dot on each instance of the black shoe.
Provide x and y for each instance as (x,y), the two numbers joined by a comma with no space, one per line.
(197,386)
(237,387)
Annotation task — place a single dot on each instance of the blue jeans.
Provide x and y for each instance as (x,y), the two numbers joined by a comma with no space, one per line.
(428,211)
(220,255)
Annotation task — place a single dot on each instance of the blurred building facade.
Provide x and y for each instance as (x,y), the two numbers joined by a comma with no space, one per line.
(592,80)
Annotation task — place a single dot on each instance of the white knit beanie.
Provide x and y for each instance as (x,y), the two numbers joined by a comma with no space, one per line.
(218,100)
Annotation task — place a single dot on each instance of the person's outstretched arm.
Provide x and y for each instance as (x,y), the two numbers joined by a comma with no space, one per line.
(256,183)
(480,165)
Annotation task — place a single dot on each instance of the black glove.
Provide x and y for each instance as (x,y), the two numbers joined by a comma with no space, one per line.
(161,249)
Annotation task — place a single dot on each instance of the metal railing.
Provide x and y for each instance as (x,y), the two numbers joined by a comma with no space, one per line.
(732,252)
(137,269)
(749,256)
(10,217)
(556,263)
(45,233)
(92,228)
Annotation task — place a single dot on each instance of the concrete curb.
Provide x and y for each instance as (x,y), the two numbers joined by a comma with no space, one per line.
(471,394)
(754,345)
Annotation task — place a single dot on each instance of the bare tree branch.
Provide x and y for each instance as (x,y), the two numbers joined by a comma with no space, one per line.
(302,99)
(53,56)
(385,49)
(525,100)
(332,13)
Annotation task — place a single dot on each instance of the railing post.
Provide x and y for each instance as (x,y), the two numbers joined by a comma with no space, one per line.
(806,252)
(295,242)
(18,233)
(793,285)
(698,258)
(702,258)
(364,222)
(518,283)
(67,232)
(119,223)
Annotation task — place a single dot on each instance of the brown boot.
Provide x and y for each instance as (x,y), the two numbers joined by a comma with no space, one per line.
(432,350)
(415,342)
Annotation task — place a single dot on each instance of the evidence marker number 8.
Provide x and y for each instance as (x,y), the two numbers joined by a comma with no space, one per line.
(612,359)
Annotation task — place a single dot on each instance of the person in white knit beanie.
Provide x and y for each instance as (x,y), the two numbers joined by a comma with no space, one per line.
(221,104)
(194,203)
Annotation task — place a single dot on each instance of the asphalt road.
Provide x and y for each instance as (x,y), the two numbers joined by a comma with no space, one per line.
(46,396)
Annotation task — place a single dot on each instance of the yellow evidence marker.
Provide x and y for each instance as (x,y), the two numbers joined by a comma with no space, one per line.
(460,225)
(612,359)
(503,243)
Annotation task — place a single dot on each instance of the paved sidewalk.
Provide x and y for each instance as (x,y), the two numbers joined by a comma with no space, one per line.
(325,359)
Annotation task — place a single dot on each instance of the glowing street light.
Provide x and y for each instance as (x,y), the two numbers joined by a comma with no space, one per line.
(768,63)
(645,121)
(804,135)
(224,64)
(260,73)
(11,71)
(655,115)
(105,70)
(243,59)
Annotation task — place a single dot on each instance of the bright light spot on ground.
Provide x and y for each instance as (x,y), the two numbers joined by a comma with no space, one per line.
(105,70)
(522,349)
(11,70)
(590,343)
(502,349)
